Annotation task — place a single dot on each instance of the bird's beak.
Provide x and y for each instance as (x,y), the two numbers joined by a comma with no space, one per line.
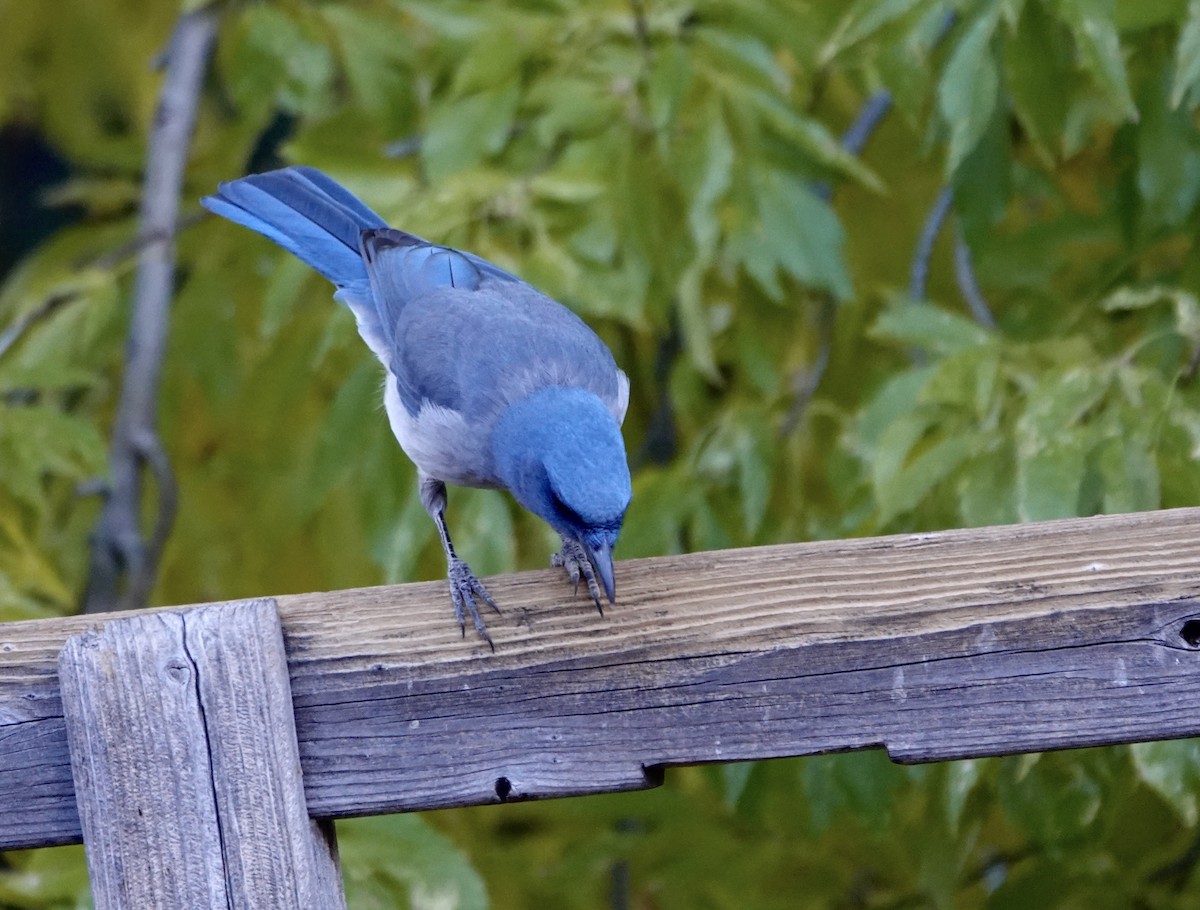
(602,562)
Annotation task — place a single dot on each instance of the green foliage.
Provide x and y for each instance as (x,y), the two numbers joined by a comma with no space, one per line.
(398,861)
(663,172)
(54,879)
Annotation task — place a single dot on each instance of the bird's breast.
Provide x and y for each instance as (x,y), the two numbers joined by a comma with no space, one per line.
(442,442)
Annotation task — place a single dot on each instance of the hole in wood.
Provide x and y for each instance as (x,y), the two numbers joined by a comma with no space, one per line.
(1190,633)
(503,787)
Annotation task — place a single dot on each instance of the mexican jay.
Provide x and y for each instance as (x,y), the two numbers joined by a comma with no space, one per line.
(490,383)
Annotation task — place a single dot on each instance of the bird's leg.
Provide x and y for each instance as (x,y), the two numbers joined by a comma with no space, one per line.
(464,586)
(574,559)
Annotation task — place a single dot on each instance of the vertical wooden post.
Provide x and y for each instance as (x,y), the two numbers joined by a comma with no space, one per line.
(187,773)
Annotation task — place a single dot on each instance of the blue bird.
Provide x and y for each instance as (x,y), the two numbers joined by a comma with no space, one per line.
(490,383)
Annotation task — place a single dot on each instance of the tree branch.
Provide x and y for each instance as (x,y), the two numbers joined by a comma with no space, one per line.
(854,140)
(964,272)
(119,553)
(919,276)
(44,310)
(805,381)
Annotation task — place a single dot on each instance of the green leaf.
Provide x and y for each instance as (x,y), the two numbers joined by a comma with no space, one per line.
(376,56)
(1186,84)
(1129,472)
(1168,172)
(987,488)
(493,59)
(735,776)
(352,420)
(694,324)
(398,550)
(1185,304)
(27,570)
(50,878)
(1051,799)
(1091,24)
(37,442)
(279,51)
(961,780)
(862,20)
(283,294)
(753,448)
(896,443)
(667,85)
(982,183)
(863,783)
(810,137)
(906,65)
(705,172)
(732,51)
(893,401)
(969,89)
(1050,475)
(797,232)
(909,486)
(1039,76)
(399,860)
(1055,439)
(483,531)
(930,328)
(1132,297)
(968,381)
(662,503)
(569,105)
(461,134)
(1171,769)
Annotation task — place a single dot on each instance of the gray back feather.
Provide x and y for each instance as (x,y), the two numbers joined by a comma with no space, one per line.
(477,351)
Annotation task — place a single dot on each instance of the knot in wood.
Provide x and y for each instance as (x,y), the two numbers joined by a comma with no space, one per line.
(178,670)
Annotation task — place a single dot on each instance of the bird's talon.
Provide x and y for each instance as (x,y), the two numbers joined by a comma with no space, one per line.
(574,560)
(464,588)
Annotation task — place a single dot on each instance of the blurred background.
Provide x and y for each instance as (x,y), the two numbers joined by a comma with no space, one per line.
(891,265)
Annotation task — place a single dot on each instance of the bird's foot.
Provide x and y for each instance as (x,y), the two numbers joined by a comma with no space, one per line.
(574,559)
(465,590)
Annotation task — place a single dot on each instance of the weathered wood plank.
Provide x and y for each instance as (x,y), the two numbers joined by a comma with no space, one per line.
(187,775)
(933,646)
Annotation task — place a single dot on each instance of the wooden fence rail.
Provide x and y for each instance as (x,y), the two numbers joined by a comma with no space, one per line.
(933,646)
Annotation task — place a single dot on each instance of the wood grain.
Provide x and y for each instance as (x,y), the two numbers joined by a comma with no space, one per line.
(183,750)
(933,646)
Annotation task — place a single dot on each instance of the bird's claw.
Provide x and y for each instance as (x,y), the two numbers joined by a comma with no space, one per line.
(464,589)
(570,564)
(574,559)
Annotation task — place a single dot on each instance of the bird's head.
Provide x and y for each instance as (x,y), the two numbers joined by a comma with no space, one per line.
(561,454)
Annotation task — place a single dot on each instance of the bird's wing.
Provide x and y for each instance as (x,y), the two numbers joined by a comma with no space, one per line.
(476,352)
(470,337)
(402,267)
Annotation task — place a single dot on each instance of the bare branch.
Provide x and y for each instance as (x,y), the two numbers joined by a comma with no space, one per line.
(964,271)
(854,140)
(805,381)
(134,246)
(119,552)
(152,454)
(919,277)
(48,307)
(640,28)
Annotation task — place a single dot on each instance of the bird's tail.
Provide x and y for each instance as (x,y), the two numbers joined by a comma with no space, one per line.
(308,214)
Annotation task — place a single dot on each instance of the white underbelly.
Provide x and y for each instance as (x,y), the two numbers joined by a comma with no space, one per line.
(440,442)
